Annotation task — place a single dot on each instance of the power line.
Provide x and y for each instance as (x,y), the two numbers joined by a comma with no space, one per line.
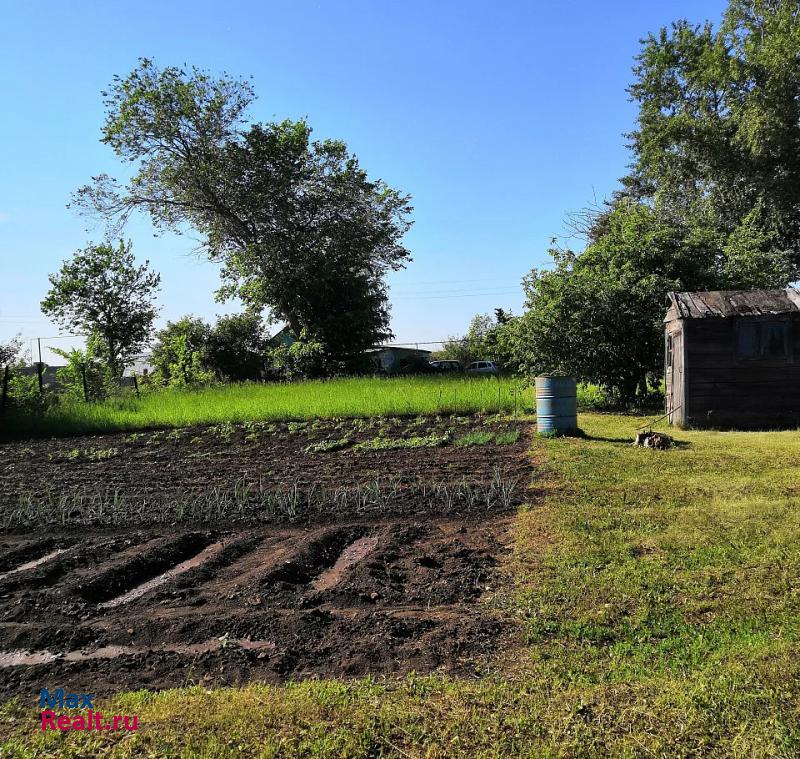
(463,295)
(455,281)
(503,286)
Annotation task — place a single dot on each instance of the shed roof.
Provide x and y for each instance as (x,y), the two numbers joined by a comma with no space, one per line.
(701,305)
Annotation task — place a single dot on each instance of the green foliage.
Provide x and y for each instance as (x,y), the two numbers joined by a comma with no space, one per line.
(236,347)
(476,437)
(24,396)
(326,446)
(190,352)
(9,351)
(178,353)
(753,256)
(507,438)
(381,443)
(83,365)
(304,358)
(488,338)
(101,291)
(247,402)
(597,315)
(297,225)
(713,201)
(719,122)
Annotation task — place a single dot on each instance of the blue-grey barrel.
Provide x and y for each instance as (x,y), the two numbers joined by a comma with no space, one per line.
(556,404)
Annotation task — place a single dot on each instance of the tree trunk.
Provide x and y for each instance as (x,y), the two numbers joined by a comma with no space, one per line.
(643,386)
(113,364)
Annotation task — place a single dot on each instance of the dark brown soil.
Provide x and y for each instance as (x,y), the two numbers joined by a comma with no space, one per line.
(412,600)
(202,459)
(162,606)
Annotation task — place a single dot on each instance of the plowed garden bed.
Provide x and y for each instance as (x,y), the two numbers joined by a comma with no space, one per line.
(334,552)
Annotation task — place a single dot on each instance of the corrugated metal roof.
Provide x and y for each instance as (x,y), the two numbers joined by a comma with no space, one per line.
(700,305)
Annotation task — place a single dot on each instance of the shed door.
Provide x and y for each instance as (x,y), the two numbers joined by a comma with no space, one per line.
(674,376)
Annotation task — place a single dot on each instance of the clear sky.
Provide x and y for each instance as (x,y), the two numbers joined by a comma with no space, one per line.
(497,117)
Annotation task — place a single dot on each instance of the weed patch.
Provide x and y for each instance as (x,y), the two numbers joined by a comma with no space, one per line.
(507,438)
(389,443)
(325,446)
(476,437)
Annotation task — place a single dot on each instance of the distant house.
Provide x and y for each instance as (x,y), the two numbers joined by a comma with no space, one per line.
(284,337)
(391,359)
(732,358)
(141,366)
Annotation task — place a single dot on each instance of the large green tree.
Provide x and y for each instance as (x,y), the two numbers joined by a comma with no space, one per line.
(718,133)
(596,314)
(712,200)
(102,292)
(299,227)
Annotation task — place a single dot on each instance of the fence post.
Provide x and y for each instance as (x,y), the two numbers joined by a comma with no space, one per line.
(6,373)
(40,372)
(85,388)
(136,385)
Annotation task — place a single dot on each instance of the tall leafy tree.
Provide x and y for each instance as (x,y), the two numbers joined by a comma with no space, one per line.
(299,227)
(102,292)
(597,314)
(718,130)
(236,348)
(712,200)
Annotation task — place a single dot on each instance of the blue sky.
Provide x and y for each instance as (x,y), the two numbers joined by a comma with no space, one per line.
(497,117)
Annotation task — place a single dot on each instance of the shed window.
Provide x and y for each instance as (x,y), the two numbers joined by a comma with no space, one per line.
(669,351)
(756,340)
(774,343)
(747,342)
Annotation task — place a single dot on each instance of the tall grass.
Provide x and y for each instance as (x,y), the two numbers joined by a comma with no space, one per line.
(353,397)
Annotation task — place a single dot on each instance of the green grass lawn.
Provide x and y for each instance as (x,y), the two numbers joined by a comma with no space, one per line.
(658,594)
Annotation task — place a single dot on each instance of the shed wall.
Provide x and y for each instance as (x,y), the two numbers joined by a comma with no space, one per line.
(727,391)
(674,380)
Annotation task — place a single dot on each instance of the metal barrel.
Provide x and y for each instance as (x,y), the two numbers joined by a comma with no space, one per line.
(556,404)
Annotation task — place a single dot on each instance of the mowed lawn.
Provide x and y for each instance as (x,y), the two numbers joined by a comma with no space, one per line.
(659,597)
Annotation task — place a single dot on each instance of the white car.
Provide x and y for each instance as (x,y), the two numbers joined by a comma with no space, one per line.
(483,367)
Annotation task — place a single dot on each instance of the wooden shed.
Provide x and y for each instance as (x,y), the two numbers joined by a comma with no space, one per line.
(732,358)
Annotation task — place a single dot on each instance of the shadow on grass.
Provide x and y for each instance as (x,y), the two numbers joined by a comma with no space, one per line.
(630,440)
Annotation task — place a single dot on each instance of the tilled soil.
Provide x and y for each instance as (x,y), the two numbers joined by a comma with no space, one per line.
(264,604)
(106,609)
(201,459)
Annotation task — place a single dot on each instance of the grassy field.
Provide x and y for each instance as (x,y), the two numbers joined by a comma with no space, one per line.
(658,594)
(359,397)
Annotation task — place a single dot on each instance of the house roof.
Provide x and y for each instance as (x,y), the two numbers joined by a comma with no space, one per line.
(701,305)
(382,348)
(284,336)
